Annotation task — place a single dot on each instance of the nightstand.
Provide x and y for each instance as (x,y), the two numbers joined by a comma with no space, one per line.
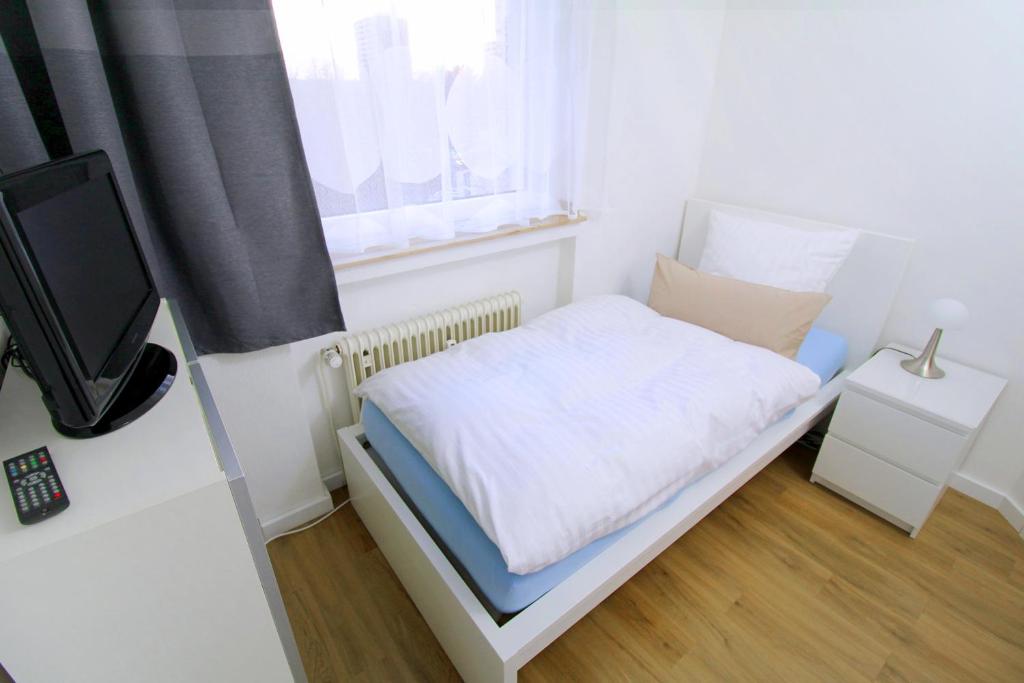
(895,438)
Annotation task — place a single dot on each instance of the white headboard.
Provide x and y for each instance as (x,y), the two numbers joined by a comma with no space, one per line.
(862,291)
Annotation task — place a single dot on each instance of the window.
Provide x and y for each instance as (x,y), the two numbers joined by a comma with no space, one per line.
(429,119)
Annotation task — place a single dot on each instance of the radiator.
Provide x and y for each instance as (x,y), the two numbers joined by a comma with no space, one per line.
(362,354)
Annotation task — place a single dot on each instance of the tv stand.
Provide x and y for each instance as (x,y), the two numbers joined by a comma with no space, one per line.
(149,382)
(157,570)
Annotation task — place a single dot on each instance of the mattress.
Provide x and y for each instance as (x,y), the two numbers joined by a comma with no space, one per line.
(474,555)
(823,352)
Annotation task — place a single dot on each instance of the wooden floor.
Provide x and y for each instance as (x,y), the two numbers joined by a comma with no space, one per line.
(784,581)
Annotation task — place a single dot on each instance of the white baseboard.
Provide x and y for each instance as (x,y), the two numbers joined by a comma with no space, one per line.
(308,512)
(1013,510)
(335,480)
(297,517)
(976,490)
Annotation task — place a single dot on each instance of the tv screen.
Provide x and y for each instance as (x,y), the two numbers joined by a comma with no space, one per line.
(74,286)
(95,277)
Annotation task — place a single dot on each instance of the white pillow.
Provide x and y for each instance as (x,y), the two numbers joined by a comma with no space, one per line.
(775,255)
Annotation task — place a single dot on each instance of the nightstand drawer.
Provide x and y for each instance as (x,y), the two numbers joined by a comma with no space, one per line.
(915,445)
(875,482)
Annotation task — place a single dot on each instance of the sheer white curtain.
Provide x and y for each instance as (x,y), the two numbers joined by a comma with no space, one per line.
(431,118)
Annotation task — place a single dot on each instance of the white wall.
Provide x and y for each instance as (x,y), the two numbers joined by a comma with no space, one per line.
(663,67)
(257,395)
(651,109)
(900,117)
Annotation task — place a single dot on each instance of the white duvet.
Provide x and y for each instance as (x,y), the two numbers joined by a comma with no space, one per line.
(583,420)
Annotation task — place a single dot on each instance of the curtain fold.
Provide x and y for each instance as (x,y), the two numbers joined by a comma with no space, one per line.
(423,120)
(190,100)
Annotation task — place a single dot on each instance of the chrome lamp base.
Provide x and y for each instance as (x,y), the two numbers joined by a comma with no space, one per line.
(924,365)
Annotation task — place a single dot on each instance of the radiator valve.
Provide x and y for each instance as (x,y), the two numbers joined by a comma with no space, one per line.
(332,357)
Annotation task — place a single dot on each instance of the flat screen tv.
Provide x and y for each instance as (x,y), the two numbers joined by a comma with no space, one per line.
(78,296)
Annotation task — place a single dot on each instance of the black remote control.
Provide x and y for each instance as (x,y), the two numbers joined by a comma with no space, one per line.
(35,486)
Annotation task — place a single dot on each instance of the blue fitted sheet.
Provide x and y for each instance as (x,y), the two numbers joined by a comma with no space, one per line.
(823,352)
(465,543)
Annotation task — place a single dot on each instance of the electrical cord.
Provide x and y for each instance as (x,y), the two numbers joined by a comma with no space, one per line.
(16,360)
(889,348)
(812,440)
(311,524)
(12,357)
(4,360)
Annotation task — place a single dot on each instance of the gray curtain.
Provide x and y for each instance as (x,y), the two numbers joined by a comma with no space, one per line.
(190,100)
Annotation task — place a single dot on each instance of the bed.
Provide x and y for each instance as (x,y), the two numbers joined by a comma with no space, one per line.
(461,585)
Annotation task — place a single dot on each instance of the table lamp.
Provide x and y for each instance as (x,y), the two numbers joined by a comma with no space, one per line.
(945,314)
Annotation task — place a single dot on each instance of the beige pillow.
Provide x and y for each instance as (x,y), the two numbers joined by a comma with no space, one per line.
(774,318)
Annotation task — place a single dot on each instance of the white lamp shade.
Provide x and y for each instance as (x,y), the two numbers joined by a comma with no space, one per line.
(948,314)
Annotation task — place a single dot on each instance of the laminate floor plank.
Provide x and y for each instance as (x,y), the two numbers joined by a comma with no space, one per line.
(785,581)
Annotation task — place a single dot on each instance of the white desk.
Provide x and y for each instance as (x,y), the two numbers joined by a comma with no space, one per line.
(148,575)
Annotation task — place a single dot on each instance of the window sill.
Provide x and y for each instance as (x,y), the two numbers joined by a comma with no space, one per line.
(385,262)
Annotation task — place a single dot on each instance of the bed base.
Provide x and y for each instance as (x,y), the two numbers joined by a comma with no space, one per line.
(480,649)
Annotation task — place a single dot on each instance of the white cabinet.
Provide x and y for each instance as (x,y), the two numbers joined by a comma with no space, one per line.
(153,573)
(896,438)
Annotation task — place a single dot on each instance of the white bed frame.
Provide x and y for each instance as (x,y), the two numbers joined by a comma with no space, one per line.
(483,651)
